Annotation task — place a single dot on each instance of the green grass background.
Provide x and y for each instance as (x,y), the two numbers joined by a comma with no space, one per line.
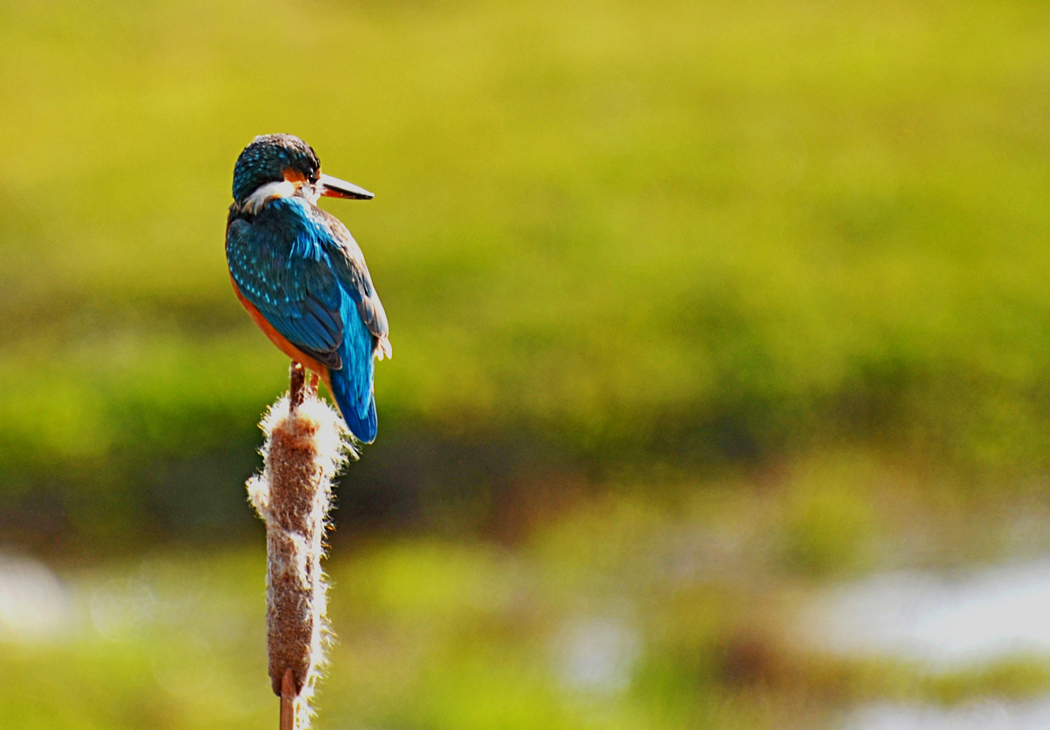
(616,225)
(626,246)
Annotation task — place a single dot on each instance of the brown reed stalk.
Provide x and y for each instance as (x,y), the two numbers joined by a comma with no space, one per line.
(306,444)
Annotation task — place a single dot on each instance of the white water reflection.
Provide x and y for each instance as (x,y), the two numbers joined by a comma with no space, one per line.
(981,715)
(33,602)
(947,621)
(596,655)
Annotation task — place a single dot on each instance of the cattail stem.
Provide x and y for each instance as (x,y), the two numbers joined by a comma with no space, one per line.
(287,701)
(296,378)
(305,446)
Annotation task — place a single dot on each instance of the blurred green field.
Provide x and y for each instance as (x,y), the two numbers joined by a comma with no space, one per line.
(623,612)
(666,610)
(707,232)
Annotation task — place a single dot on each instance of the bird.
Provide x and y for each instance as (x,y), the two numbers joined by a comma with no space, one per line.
(302,277)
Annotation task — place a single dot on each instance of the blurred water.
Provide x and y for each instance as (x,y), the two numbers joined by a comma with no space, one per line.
(34,604)
(596,654)
(982,715)
(946,621)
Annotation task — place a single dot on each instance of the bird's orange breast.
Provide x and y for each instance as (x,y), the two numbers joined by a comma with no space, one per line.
(277,338)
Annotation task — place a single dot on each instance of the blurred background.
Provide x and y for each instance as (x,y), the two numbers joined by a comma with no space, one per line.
(721,387)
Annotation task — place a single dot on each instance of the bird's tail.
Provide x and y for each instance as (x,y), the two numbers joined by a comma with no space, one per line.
(363,429)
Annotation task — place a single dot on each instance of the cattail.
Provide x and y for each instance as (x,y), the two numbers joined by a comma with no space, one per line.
(305,446)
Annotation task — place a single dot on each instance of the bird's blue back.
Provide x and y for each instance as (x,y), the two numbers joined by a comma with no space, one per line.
(304,272)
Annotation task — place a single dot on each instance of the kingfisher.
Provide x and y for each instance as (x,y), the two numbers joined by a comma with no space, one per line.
(302,277)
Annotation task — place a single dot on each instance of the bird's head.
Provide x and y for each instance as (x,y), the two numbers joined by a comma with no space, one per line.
(282,165)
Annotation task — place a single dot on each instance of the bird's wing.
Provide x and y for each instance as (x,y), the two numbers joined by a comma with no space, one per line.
(280,267)
(348,264)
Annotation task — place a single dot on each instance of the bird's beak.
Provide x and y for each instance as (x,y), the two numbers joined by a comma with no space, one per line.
(333,187)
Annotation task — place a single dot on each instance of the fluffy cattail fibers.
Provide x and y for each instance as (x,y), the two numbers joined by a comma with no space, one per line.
(304,448)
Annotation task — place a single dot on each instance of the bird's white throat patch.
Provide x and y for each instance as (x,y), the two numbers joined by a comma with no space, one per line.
(267,192)
(283,189)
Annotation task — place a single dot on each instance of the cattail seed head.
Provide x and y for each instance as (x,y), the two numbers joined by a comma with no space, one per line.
(306,444)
